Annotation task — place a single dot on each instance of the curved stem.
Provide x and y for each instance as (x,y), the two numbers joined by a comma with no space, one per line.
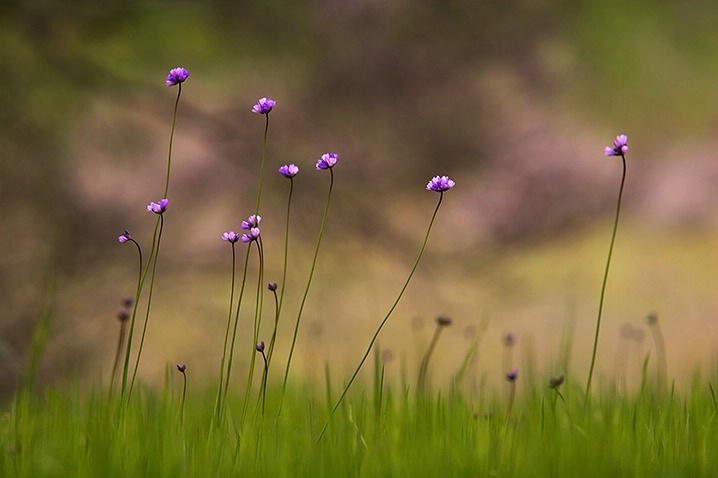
(306,290)
(605,280)
(381,325)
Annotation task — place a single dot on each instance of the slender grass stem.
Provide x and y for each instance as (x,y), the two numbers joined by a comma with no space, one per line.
(605,279)
(306,290)
(381,325)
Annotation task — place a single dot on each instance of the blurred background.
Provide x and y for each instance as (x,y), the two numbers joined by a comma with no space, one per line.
(515,100)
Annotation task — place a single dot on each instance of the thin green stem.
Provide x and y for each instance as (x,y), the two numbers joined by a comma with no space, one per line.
(218,401)
(257,323)
(172,135)
(381,325)
(270,352)
(306,290)
(234,331)
(261,166)
(138,292)
(605,280)
(421,381)
(149,304)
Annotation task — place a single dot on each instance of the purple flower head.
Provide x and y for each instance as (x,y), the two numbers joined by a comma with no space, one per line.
(260,347)
(124,237)
(263,106)
(158,207)
(252,236)
(176,76)
(123,315)
(440,184)
(230,236)
(127,302)
(327,161)
(509,339)
(272,286)
(512,375)
(181,367)
(556,382)
(252,221)
(620,146)
(289,170)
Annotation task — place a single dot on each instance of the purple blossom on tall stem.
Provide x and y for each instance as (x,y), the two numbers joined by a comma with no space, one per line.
(272,286)
(440,184)
(620,146)
(263,106)
(124,237)
(230,236)
(252,221)
(158,207)
(176,76)
(252,236)
(512,375)
(327,161)
(289,170)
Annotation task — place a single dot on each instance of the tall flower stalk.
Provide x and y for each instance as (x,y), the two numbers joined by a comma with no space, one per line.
(620,148)
(438,184)
(263,107)
(176,77)
(231,237)
(326,162)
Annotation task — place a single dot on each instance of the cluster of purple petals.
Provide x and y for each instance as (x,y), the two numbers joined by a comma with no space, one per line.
(230,236)
(620,146)
(512,375)
(124,237)
(253,235)
(263,106)
(181,367)
(252,221)
(260,347)
(440,184)
(158,207)
(272,286)
(327,161)
(176,76)
(289,170)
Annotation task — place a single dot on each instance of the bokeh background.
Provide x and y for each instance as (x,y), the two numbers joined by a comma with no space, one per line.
(515,100)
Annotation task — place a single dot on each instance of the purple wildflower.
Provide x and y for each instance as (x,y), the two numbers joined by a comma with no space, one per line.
(512,375)
(289,170)
(127,302)
(620,146)
(124,237)
(252,221)
(440,184)
(252,236)
(158,207)
(176,76)
(181,367)
(123,315)
(260,347)
(556,382)
(263,106)
(272,286)
(230,236)
(327,161)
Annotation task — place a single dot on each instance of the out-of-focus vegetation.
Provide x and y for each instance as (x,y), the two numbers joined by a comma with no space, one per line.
(515,100)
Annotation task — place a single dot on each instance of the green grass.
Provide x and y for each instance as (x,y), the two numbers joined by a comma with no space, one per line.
(379,431)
